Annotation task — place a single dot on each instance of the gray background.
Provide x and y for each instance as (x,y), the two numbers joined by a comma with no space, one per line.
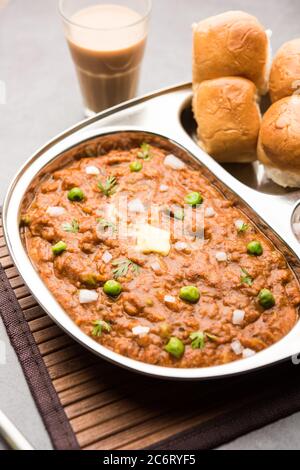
(43,99)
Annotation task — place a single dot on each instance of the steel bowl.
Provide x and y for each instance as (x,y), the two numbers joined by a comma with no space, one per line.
(164,116)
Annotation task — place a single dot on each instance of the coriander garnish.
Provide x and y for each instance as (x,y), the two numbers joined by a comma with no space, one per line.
(99,327)
(109,187)
(243,228)
(145,152)
(246,278)
(107,224)
(199,338)
(122,267)
(72,227)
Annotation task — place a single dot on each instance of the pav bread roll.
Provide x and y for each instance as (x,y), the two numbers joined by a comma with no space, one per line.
(285,71)
(232,44)
(228,118)
(279,142)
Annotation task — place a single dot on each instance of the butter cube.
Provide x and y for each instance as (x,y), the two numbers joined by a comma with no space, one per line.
(153,240)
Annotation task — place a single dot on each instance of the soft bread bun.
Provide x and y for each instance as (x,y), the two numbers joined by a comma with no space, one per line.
(285,72)
(228,118)
(279,142)
(232,44)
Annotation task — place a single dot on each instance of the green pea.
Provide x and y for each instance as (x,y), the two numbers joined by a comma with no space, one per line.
(255,248)
(112,288)
(59,248)
(266,299)
(135,167)
(175,347)
(190,294)
(76,194)
(193,199)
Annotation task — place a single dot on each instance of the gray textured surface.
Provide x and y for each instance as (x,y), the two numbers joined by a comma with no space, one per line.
(43,99)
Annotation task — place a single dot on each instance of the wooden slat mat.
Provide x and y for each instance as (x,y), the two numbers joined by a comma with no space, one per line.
(110,408)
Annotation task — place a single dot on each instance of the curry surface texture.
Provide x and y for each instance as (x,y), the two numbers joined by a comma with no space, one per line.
(225,324)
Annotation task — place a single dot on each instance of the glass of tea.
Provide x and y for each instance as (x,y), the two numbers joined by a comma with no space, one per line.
(107,43)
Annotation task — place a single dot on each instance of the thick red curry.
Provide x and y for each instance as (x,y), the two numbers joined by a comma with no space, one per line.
(162,296)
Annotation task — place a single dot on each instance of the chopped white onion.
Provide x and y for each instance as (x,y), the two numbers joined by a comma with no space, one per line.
(239,224)
(87,296)
(173,162)
(248,353)
(169,299)
(210,212)
(140,330)
(236,347)
(136,206)
(107,257)
(92,170)
(163,188)
(55,211)
(221,256)
(238,317)
(156,266)
(180,246)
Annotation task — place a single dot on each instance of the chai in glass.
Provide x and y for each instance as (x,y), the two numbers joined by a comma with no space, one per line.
(107,43)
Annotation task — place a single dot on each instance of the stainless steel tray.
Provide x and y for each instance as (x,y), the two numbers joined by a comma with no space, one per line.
(166,113)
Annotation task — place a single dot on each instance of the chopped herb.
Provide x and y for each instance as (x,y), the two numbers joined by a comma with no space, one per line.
(99,327)
(243,228)
(109,186)
(199,338)
(73,227)
(107,224)
(122,267)
(145,152)
(246,278)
